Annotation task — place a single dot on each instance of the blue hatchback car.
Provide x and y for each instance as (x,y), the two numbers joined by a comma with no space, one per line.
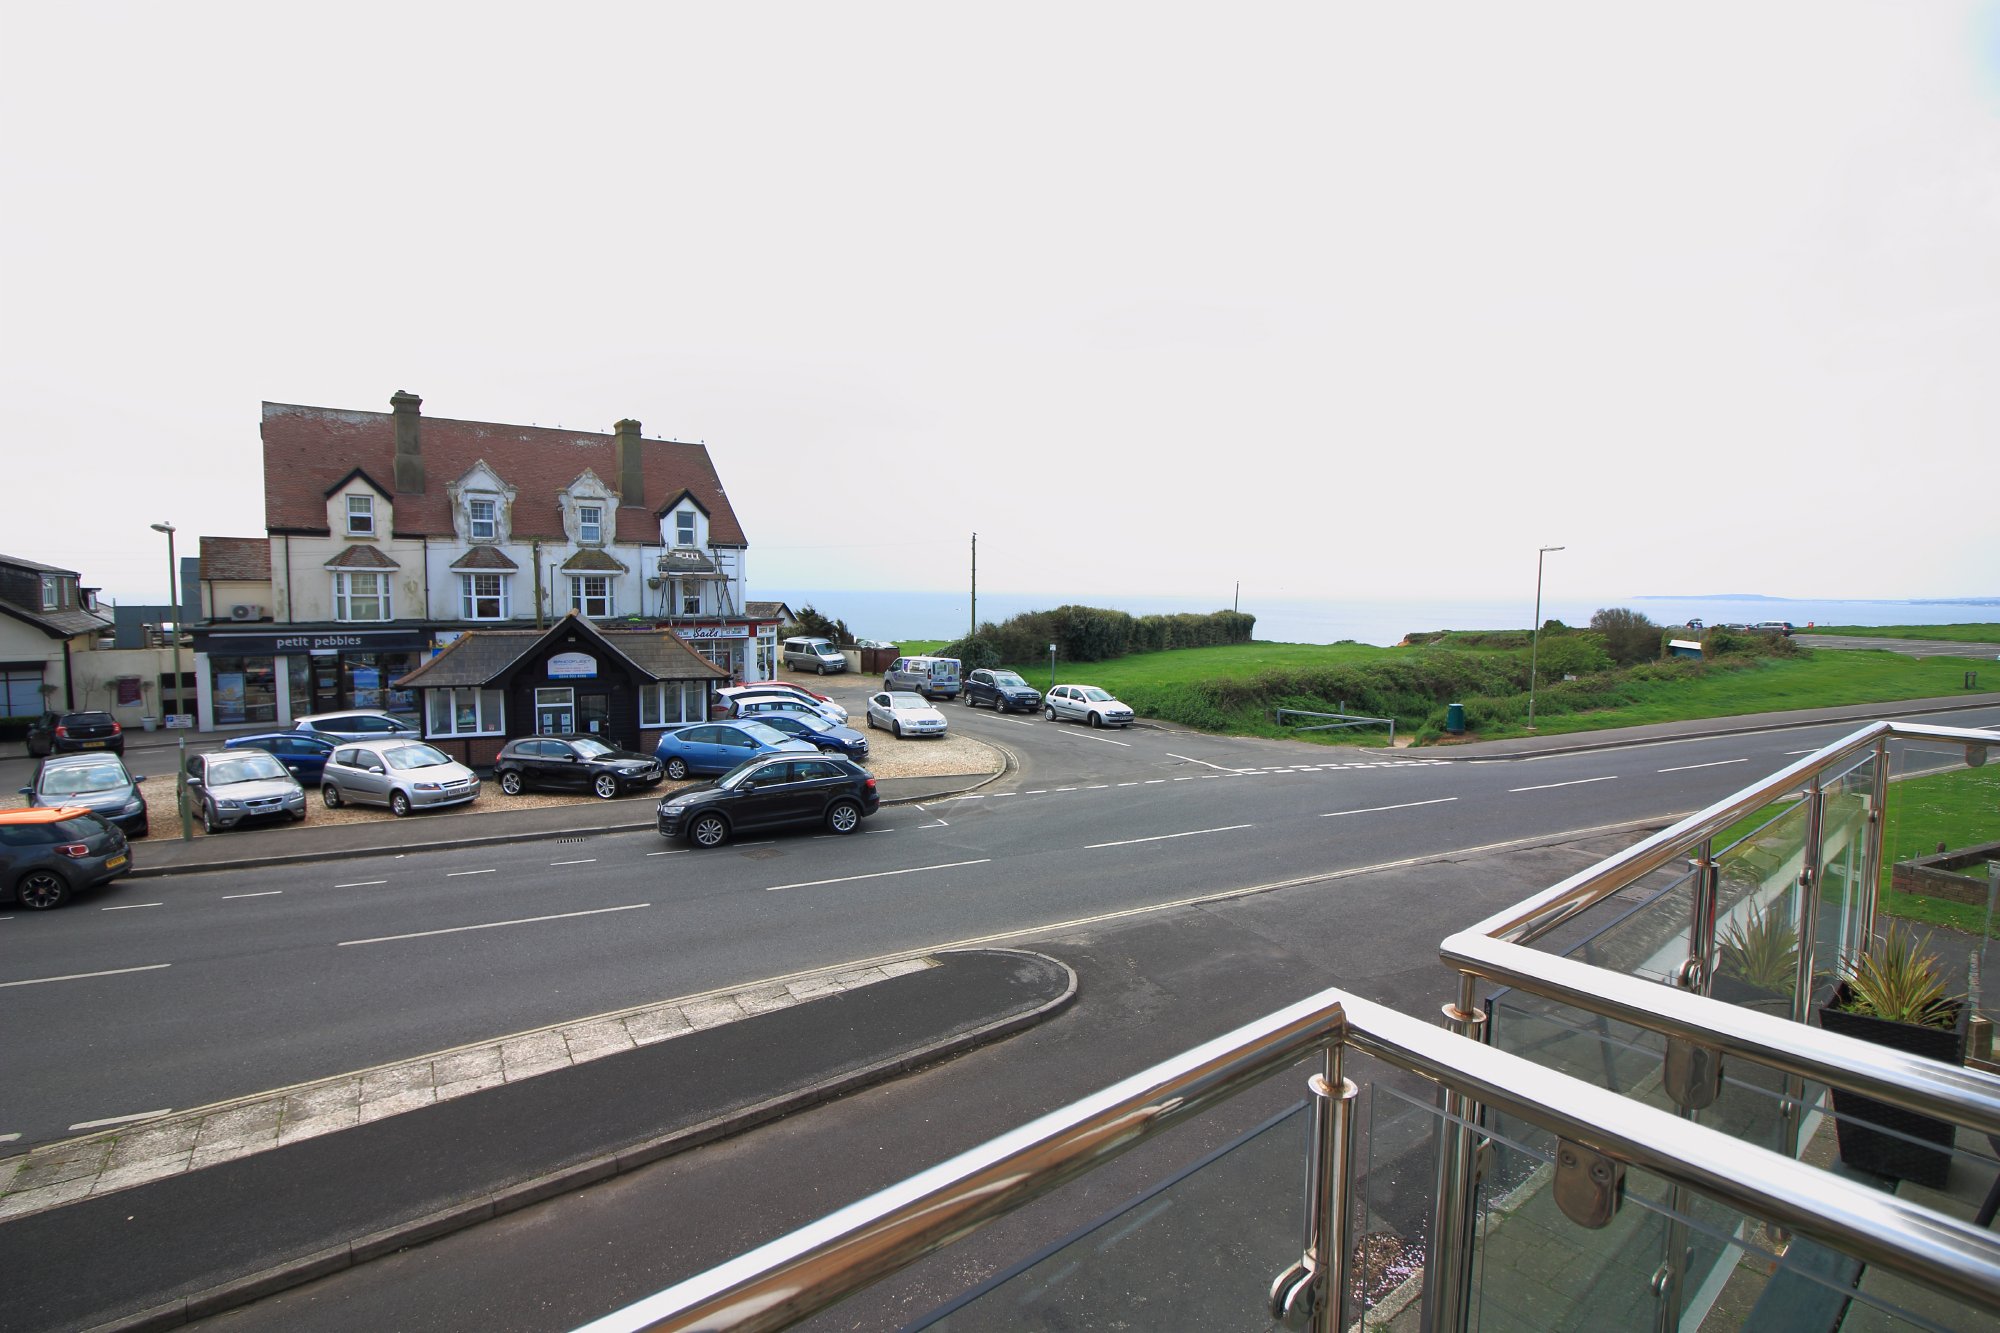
(823,732)
(303,754)
(717,747)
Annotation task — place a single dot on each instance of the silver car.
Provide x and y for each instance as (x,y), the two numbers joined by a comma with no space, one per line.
(904,714)
(357,724)
(230,786)
(1086,703)
(403,775)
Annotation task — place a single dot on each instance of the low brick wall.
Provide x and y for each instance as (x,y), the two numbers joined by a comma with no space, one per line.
(1938,875)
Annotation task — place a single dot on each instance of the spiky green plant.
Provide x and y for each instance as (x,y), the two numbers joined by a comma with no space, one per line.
(1760,949)
(1900,980)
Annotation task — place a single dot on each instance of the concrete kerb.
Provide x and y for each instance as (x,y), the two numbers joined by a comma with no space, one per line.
(280,1277)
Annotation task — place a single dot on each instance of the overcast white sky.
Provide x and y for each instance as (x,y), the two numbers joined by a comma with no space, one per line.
(1338,301)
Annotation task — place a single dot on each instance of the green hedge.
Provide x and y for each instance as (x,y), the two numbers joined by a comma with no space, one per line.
(1093,634)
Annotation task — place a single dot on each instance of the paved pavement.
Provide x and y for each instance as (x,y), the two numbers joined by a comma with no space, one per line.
(1908,647)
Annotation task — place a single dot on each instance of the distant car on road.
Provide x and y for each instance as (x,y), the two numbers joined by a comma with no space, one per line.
(905,714)
(98,782)
(1783,627)
(577,762)
(1693,624)
(66,733)
(401,774)
(1004,690)
(1086,703)
(771,791)
(819,731)
(229,787)
(48,854)
(717,747)
(357,725)
(303,755)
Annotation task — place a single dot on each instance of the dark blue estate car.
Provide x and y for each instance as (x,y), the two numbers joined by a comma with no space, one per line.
(303,754)
(825,733)
(717,747)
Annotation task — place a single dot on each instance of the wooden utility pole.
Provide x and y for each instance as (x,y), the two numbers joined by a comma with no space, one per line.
(975,587)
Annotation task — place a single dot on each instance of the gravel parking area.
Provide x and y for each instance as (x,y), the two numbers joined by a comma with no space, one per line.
(948,755)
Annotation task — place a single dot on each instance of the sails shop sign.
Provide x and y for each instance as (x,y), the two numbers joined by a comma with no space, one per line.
(711,632)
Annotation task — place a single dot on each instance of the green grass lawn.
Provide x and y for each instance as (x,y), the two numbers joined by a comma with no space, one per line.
(1975,633)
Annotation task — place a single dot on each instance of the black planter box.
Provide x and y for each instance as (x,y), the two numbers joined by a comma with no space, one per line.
(1867,1147)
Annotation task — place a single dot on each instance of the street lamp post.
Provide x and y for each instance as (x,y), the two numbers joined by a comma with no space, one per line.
(1052,666)
(180,699)
(1535,639)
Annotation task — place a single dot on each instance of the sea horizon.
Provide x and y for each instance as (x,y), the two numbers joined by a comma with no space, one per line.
(1380,621)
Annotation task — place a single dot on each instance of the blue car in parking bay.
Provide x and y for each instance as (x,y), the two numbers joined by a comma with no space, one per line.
(717,747)
(827,735)
(303,754)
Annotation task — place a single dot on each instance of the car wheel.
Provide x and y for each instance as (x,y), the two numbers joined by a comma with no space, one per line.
(207,818)
(1051,713)
(298,815)
(822,668)
(677,768)
(844,817)
(1096,720)
(510,782)
(330,795)
(709,831)
(606,786)
(897,727)
(39,890)
(399,804)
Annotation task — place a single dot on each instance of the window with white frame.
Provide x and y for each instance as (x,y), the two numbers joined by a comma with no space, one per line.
(684,527)
(590,524)
(360,515)
(360,595)
(483,596)
(465,712)
(691,600)
(51,592)
(666,702)
(591,594)
(485,522)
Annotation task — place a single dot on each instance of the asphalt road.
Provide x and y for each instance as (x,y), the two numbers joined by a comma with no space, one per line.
(174,992)
(1908,647)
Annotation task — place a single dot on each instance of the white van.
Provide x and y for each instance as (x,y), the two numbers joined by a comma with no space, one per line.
(932,677)
(813,655)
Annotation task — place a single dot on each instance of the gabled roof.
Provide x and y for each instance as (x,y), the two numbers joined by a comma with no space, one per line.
(485,557)
(240,559)
(590,559)
(359,556)
(481,657)
(777,611)
(310,451)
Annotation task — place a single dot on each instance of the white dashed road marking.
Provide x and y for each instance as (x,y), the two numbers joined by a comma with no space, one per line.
(1378,809)
(494,925)
(126,907)
(453,874)
(879,874)
(268,893)
(361,883)
(1191,833)
(1715,764)
(1576,782)
(85,976)
(588,860)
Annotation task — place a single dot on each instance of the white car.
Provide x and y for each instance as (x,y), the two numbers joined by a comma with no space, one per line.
(904,713)
(1086,703)
(826,708)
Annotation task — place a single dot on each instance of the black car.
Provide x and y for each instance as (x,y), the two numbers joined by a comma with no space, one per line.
(64,733)
(772,791)
(575,762)
(1004,690)
(48,854)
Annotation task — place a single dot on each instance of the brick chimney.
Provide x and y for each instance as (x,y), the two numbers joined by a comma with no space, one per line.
(409,442)
(631,463)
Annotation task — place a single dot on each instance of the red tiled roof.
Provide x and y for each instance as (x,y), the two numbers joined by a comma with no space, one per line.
(237,558)
(309,449)
(358,556)
(485,557)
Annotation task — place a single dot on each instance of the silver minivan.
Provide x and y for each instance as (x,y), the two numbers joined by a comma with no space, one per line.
(932,677)
(403,775)
(806,654)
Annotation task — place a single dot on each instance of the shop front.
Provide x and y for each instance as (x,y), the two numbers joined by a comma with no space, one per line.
(250,680)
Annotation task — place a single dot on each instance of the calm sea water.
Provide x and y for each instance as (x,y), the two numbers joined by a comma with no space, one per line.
(945,615)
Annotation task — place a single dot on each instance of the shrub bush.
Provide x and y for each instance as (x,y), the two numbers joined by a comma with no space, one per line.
(1628,636)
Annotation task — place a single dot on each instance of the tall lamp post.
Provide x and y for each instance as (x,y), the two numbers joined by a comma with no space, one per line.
(1535,641)
(180,699)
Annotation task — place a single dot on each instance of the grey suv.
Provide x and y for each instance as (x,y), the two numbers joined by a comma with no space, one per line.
(403,775)
(1004,690)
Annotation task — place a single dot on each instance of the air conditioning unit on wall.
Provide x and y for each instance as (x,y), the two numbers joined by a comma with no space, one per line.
(246,612)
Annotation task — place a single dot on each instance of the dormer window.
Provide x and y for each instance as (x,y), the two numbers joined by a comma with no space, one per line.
(485,523)
(590,524)
(51,593)
(684,527)
(360,515)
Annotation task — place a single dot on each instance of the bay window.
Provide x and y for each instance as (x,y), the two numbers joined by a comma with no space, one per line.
(483,596)
(591,595)
(360,595)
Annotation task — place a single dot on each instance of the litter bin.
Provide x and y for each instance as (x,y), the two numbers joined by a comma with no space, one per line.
(1454,719)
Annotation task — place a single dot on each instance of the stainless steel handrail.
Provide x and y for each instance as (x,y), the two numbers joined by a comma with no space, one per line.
(781,1282)
(808,1270)
(1495,949)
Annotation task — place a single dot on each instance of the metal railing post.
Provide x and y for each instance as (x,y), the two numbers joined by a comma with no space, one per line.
(1871,862)
(1448,1272)
(1791,1112)
(1699,973)
(1312,1293)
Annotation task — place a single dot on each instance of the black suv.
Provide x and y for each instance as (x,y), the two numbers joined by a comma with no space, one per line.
(771,791)
(63,733)
(572,761)
(1002,689)
(48,854)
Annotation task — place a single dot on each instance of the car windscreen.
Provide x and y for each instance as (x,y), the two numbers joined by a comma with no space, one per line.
(590,749)
(1095,695)
(75,779)
(1010,679)
(758,731)
(248,768)
(406,757)
(898,699)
